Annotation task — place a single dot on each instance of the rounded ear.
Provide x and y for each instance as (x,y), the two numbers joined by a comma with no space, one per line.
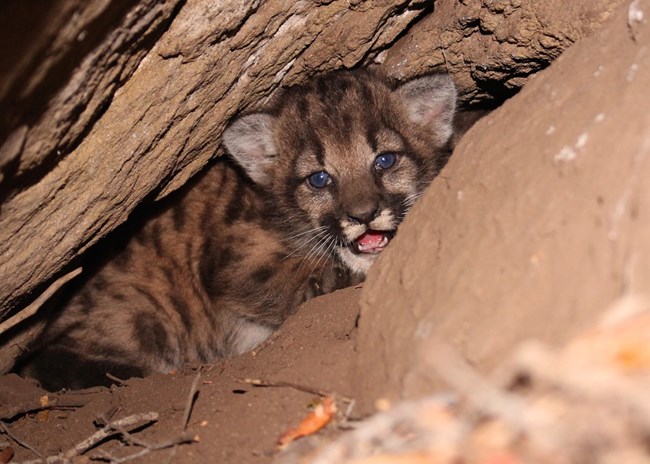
(431,102)
(249,140)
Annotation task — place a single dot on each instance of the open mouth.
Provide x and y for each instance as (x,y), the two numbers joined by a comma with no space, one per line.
(372,241)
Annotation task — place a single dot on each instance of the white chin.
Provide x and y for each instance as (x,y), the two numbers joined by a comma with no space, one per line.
(356,263)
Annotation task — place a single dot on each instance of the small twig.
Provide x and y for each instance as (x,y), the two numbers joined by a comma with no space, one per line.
(188,409)
(105,417)
(85,391)
(108,430)
(146,447)
(53,401)
(191,399)
(108,457)
(444,56)
(295,386)
(19,441)
(32,308)
(119,427)
(115,379)
(132,440)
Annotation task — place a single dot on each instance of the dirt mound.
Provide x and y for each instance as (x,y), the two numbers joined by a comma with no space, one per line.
(234,421)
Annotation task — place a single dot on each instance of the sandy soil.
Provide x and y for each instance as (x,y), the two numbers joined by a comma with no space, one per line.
(233,422)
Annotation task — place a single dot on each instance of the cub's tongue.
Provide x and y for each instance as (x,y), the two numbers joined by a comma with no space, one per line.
(372,241)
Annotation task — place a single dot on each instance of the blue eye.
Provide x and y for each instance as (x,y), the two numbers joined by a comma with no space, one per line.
(319,179)
(385,160)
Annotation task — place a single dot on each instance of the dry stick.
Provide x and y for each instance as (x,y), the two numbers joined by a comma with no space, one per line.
(22,443)
(118,427)
(85,391)
(135,441)
(191,399)
(104,456)
(31,309)
(188,409)
(295,386)
(115,460)
(148,447)
(115,379)
(303,388)
(108,430)
(34,405)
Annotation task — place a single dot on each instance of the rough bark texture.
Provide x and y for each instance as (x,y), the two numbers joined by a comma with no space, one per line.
(492,47)
(55,86)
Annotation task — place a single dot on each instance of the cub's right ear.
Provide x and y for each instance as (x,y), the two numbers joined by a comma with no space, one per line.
(431,103)
(249,140)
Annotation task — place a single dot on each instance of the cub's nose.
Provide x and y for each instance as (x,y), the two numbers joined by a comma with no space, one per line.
(363,215)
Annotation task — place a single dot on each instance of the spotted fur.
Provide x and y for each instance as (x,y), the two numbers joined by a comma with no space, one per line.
(219,267)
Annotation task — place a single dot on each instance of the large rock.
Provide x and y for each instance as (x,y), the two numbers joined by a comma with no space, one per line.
(492,46)
(537,224)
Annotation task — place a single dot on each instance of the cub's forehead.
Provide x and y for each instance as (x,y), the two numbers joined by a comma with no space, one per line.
(336,87)
(338,109)
(335,102)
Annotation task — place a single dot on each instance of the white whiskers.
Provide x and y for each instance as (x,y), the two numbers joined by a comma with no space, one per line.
(322,245)
(408,203)
(306,238)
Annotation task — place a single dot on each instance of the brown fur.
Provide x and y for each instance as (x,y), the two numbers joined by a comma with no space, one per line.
(220,267)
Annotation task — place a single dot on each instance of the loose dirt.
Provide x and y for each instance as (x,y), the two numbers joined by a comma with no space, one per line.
(232,421)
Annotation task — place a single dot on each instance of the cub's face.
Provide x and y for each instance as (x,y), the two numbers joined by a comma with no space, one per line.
(344,157)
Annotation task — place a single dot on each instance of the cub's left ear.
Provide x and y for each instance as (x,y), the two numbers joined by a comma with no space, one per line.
(249,140)
(431,102)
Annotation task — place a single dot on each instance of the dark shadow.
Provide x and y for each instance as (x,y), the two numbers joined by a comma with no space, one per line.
(21,22)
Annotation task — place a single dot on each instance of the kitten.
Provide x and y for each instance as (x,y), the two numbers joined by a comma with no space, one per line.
(314,190)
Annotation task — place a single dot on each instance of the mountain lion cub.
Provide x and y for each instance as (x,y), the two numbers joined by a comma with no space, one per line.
(314,189)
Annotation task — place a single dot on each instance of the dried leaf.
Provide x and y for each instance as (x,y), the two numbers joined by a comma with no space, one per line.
(312,423)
